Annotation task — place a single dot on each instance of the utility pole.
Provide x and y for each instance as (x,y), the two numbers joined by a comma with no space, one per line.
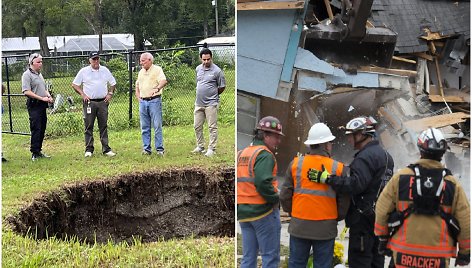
(215,4)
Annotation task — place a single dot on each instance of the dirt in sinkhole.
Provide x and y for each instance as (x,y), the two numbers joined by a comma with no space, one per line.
(152,205)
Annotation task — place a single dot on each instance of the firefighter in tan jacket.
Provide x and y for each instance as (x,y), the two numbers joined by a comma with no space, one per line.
(423,213)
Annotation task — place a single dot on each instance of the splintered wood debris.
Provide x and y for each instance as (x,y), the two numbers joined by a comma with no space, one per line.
(437,121)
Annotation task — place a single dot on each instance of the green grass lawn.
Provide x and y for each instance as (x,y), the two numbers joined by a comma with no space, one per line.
(24,180)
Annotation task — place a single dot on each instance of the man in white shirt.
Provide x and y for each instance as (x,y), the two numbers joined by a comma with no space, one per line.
(96,85)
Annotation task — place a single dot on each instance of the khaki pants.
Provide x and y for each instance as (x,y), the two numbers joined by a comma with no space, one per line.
(99,110)
(210,113)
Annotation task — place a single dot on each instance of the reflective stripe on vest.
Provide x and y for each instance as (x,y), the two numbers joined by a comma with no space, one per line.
(311,200)
(422,250)
(247,193)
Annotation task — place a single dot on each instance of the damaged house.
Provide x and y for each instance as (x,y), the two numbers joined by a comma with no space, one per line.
(404,62)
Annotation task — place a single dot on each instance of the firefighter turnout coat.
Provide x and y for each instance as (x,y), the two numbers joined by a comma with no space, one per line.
(423,240)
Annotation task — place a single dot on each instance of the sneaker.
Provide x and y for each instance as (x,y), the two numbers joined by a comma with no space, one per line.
(210,153)
(43,155)
(4,159)
(110,153)
(160,153)
(198,150)
(144,152)
(36,156)
(88,154)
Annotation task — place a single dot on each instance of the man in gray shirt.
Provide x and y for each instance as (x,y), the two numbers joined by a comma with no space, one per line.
(34,87)
(210,84)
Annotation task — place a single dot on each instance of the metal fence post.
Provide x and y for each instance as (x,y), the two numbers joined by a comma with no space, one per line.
(9,98)
(130,72)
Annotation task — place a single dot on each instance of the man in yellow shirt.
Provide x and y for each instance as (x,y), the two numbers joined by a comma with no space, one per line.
(151,81)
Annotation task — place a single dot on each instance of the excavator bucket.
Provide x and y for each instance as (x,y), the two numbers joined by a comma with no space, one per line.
(344,37)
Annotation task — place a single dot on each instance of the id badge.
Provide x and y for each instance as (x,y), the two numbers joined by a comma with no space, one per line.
(89,110)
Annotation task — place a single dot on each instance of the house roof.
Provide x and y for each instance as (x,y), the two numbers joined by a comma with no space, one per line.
(17,44)
(219,40)
(408,18)
(91,44)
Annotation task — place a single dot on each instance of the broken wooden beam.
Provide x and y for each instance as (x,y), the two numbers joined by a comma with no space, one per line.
(438,73)
(439,98)
(431,36)
(339,90)
(369,24)
(432,48)
(423,55)
(403,59)
(376,69)
(268,5)
(328,8)
(436,121)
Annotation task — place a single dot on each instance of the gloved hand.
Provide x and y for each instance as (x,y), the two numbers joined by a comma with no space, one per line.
(383,250)
(462,259)
(319,176)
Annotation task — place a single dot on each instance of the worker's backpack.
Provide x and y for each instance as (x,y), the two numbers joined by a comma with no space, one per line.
(427,192)
(428,189)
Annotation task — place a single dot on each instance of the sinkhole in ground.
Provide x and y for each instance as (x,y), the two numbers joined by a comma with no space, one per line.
(151,205)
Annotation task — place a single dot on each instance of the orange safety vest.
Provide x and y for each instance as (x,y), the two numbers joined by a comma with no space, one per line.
(247,193)
(311,200)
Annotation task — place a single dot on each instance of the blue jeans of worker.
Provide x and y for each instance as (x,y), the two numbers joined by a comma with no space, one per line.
(300,252)
(262,235)
(150,114)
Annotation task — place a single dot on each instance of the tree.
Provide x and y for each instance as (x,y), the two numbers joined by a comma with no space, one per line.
(31,18)
(92,12)
(162,22)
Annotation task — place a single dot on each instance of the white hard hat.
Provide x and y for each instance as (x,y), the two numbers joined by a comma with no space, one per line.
(319,133)
(362,123)
(431,141)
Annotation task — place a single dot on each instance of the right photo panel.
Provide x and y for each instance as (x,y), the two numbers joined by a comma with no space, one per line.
(353,133)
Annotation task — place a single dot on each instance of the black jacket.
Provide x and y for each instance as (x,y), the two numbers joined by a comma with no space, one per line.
(367,169)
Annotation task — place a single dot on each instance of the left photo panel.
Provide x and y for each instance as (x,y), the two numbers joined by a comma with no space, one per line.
(118,134)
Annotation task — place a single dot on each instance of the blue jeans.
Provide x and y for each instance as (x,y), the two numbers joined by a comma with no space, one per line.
(261,235)
(323,251)
(151,112)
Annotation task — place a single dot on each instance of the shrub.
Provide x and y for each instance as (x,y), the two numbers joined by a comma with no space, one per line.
(15,70)
(119,68)
(65,124)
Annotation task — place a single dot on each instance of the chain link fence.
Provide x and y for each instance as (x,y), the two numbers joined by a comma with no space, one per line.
(65,116)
